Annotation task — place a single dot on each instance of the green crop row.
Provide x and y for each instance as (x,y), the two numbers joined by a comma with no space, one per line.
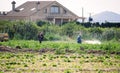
(63,46)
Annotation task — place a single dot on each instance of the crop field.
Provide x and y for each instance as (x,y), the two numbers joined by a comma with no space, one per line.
(51,63)
(21,56)
(59,52)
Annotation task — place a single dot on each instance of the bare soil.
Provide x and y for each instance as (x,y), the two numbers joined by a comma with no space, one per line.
(45,50)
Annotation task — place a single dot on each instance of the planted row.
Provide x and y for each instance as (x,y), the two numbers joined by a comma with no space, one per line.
(63,47)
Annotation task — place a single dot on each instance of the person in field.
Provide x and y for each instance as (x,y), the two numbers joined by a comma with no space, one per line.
(79,39)
(40,37)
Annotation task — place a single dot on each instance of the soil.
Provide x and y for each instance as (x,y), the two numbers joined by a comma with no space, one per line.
(45,50)
(19,49)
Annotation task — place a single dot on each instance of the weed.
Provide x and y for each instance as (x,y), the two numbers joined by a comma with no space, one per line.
(81,62)
(18,63)
(8,66)
(33,62)
(107,56)
(74,57)
(62,56)
(44,64)
(54,65)
(67,71)
(86,60)
(25,65)
(105,63)
(44,57)
(79,57)
(110,63)
(99,71)
(59,51)
(117,57)
(41,59)
(67,60)
(1,71)
(11,63)
(50,58)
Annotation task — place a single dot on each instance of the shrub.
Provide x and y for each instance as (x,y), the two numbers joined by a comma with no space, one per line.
(68,29)
(117,34)
(52,36)
(23,30)
(41,23)
(108,35)
(96,32)
(30,31)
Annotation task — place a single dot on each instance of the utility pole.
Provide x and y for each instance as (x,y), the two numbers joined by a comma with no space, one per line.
(82,15)
(90,14)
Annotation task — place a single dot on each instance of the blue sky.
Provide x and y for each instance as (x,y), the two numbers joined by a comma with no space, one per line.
(90,6)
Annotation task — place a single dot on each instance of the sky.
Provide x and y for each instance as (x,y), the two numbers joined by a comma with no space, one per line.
(89,6)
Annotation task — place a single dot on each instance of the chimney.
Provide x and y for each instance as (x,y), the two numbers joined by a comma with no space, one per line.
(4,13)
(38,3)
(13,5)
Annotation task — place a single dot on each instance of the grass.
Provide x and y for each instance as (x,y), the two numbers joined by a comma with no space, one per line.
(62,46)
(34,44)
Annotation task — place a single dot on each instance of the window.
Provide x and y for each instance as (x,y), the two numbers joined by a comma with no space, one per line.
(45,11)
(21,9)
(33,9)
(55,9)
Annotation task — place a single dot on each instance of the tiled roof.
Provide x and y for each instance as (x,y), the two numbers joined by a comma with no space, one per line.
(29,8)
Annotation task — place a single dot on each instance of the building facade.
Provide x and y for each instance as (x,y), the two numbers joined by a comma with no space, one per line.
(51,11)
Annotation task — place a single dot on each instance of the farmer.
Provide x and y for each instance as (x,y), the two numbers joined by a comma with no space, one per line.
(79,39)
(40,37)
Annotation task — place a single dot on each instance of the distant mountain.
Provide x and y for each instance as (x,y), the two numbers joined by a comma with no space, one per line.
(106,16)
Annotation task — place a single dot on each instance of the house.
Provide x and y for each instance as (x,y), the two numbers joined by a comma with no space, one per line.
(51,11)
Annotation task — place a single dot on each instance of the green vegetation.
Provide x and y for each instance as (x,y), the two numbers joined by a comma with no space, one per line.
(30,62)
(24,30)
(62,47)
(59,52)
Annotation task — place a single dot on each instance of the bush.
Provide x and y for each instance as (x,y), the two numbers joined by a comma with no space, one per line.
(108,35)
(68,29)
(5,25)
(29,30)
(117,34)
(52,36)
(41,23)
(96,32)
